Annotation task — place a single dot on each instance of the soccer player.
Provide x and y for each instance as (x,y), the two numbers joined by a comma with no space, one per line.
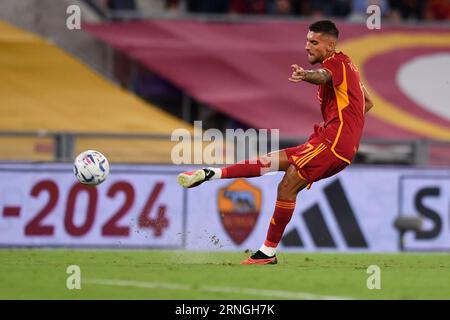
(330,148)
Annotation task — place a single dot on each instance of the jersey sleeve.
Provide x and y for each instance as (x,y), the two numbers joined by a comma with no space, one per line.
(335,67)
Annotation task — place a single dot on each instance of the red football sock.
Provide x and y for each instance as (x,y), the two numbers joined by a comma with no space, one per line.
(244,169)
(280,218)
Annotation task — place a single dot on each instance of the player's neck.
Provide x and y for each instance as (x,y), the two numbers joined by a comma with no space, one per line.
(329,55)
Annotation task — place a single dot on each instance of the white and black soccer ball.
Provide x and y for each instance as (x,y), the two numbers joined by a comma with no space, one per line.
(91,167)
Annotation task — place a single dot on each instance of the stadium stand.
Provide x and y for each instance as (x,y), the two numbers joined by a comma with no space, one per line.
(355,10)
(45,89)
(203,45)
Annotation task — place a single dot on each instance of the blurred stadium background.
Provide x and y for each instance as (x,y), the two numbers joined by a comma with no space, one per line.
(139,69)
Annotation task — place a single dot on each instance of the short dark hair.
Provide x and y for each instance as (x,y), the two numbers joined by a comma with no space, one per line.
(325,26)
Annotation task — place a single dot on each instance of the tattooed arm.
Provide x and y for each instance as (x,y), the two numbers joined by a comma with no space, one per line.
(319,76)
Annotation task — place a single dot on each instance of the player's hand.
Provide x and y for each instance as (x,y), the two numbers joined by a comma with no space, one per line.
(298,74)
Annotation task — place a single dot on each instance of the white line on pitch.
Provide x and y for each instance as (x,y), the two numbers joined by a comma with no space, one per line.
(177,286)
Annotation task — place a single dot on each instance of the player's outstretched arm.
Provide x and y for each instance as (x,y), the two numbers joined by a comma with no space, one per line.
(319,76)
(367,99)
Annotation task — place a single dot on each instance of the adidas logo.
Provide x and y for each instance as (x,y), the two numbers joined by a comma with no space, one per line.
(319,231)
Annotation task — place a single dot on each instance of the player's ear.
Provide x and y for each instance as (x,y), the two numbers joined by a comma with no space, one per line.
(331,45)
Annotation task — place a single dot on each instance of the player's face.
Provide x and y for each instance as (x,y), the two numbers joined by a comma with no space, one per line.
(318,46)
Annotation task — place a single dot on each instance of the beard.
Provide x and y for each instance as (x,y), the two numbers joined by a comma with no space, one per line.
(316,58)
(313,59)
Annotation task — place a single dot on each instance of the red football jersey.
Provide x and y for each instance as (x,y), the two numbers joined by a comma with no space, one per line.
(342,105)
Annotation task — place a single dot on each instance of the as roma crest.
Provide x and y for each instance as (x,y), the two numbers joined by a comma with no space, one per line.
(239,208)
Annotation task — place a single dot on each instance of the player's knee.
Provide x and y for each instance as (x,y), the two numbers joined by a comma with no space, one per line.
(265,163)
(265,160)
(271,161)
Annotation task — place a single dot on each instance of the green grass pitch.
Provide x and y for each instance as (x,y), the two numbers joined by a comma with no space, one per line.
(155,274)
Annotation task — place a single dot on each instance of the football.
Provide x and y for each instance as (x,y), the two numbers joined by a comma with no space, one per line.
(91,167)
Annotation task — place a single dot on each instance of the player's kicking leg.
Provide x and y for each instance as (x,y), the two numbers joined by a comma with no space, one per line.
(288,188)
(274,161)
